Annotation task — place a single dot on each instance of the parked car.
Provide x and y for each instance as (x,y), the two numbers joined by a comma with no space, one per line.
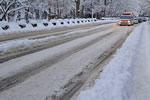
(144,19)
(149,20)
(136,21)
(140,20)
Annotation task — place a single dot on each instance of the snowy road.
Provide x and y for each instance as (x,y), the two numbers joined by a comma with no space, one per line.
(37,76)
(27,45)
(46,32)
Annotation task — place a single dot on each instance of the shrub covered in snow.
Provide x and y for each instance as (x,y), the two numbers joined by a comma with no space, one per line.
(39,25)
(22,24)
(4,25)
(45,22)
(33,23)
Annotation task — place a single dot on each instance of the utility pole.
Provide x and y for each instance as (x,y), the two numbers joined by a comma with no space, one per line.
(77,8)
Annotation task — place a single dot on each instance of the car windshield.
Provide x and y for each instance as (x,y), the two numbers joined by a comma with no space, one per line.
(125,17)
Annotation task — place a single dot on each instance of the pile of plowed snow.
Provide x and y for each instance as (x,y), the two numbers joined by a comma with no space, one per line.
(117,80)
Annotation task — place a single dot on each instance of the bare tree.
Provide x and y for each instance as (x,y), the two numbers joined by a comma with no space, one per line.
(77,8)
(9,6)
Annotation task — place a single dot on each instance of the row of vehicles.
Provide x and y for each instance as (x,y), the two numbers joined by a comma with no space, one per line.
(129,18)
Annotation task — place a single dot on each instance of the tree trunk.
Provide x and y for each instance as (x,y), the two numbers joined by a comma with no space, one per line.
(105,2)
(49,15)
(27,15)
(57,8)
(82,12)
(78,8)
(4,17)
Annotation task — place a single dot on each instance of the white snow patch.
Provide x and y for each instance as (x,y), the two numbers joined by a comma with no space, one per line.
(116,82)
(142,63)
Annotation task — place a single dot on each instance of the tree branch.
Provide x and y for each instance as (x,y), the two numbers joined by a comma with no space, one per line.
(15,9)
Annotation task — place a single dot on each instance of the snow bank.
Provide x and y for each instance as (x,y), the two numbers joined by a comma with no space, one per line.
(142,69)
(21,26)
(116,81)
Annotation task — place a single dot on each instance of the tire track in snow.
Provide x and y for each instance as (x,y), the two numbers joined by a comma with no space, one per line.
(30,46)
(10,81)
(73,87)
(54,31)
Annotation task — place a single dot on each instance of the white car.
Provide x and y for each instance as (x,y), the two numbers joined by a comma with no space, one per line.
(136,21)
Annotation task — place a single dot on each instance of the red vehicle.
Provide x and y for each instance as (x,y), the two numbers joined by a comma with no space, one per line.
(127,18)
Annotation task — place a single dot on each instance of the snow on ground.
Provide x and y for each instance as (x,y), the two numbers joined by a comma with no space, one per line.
(13,66)
(142,72)
(117,82)
(43,84)
(11,46)
(14,26)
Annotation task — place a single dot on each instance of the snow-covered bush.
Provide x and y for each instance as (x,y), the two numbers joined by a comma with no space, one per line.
(22,24)
(4,25)
(53,22)
(66,21)
(45,23)
(78,21)
(33,23)
(60,22)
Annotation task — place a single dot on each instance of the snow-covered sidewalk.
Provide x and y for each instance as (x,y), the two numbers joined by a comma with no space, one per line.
(142,70)
(127,76)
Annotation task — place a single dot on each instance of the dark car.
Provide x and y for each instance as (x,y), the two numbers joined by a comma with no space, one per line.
(144,19)
(140,20)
